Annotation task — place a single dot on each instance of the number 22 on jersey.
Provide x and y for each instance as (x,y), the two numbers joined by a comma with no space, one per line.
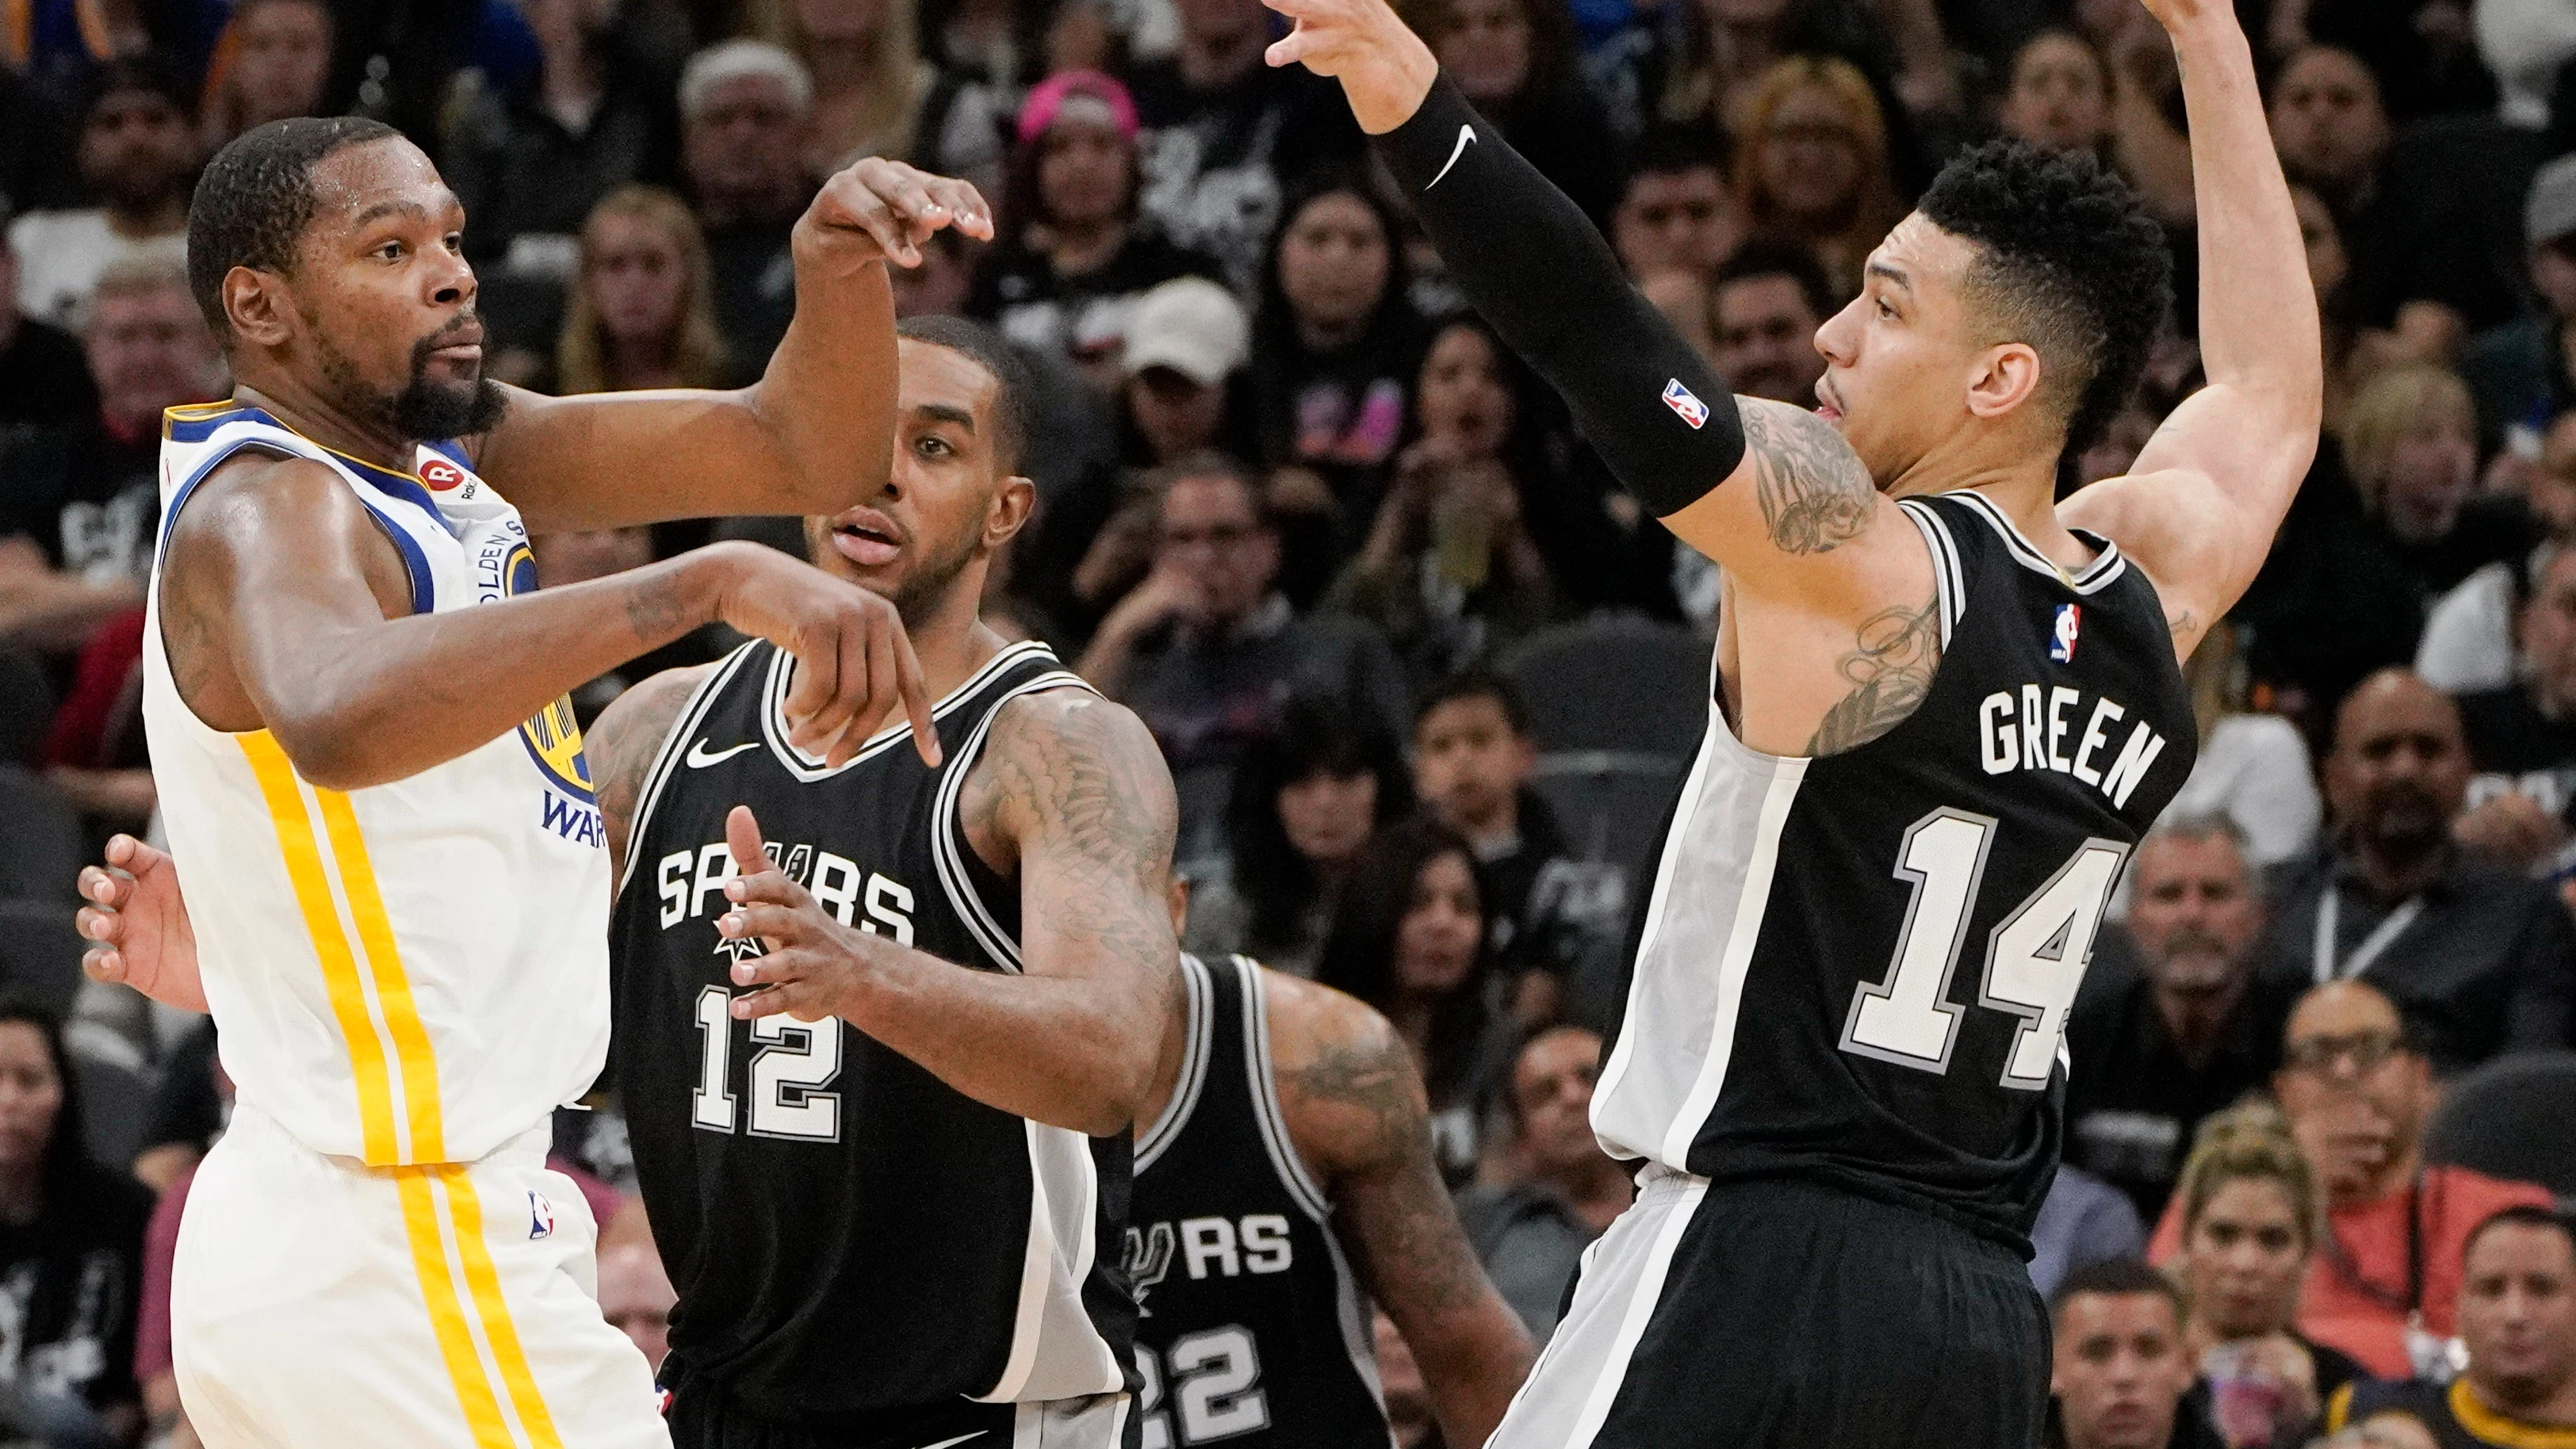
(2035,956)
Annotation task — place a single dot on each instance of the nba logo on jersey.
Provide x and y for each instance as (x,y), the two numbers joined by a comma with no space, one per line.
(2061,634)
(541,1216)
(1684,403)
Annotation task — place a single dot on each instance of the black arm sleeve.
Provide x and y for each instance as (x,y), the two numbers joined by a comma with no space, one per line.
(1530,262)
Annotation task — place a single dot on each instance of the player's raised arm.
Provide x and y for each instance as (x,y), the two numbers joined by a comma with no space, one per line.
(806,439)
(1073,786)
(2209,490)
(1761,487)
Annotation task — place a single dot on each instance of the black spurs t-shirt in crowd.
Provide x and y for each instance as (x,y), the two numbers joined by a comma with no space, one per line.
(70,1285)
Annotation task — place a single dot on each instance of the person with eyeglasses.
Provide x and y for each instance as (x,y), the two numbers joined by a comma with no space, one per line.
(2356,1090)
(1207,650)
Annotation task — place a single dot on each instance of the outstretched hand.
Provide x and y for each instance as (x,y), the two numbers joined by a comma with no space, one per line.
(880,208)
(1385,69)
(134,911)
(807,959)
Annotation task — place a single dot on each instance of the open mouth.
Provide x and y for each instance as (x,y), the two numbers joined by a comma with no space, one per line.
(868,540)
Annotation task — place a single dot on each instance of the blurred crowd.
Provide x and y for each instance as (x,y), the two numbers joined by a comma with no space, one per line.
(1426,681)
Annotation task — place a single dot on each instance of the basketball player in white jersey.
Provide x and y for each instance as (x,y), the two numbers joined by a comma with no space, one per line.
(377,794)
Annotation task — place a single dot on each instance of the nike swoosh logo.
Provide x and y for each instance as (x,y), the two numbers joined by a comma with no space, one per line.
(699,759)
(1466,137)
(960,1439)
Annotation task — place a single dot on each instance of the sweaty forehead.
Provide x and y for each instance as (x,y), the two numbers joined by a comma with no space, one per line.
(932,376)
(354,180)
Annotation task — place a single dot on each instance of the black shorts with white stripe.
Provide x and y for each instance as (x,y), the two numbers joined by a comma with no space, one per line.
(1788,1314)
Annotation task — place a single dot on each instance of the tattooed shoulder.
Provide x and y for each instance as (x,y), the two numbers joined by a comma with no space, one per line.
(1889,670)
(1813,490)
(1071,766)
(1348,1086)
(621,744)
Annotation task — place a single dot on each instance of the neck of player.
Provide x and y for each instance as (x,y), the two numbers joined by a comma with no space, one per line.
(316,417)
(949,636)
(2014,472)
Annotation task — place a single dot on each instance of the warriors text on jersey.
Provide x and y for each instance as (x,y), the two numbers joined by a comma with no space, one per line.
(413,972)
(1252,1331)
(849,1235)
(1856,969)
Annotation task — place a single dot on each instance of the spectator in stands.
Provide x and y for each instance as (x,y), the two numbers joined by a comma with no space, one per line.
(642,313)
(1207,649)
(1231,135)
(43,378)
(138,155)
(745,107)
(76,521)
(2120,1369)
(870,80)
(2517,1317)
(1187,341)
(1765,305)
(1517,61)
(2522,737)
(1553,915)
(2253,768)
(1815,164)
(1676,213)
(530,164)
(1074,256)
(2083,1220)
(2251,1219)
(1715,54)
(2329,126)
(1304,805)
(2328,268)
(71,1260)
(2356,1091)
(1452,571)
(2524,371)
(635,1293)
(2192,1031)
(2478,958)
(2410,439)
(2065,94)
(2470,637)
(278,66)
(1409,937)
(1335,345)
(1556,1190)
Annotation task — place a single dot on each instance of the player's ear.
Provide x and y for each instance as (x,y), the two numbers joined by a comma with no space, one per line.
(1009,511)
(2006,377)
(255,303)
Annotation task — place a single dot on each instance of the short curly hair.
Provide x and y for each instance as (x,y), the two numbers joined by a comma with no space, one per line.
(2069,262)
(255,199)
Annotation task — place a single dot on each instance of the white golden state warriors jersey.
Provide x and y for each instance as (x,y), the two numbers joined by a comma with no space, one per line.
(408,973)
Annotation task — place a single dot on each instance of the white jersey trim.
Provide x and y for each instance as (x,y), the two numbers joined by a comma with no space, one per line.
(2092,578)
(1199,1026)
(1948,582)
(683,730)
(946,828)
(1265,1099)
(810,768)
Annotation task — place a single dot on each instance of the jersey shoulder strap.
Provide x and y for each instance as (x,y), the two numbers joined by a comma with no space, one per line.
(684,730)
(987,903)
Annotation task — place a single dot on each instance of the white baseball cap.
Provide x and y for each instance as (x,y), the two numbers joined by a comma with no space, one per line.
(1190,325)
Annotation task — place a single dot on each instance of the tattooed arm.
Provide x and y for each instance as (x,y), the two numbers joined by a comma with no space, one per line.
(1071,793)
(622,744)
(1359,1119)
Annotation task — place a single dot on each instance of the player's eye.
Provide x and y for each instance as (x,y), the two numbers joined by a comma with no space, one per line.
(1884,310)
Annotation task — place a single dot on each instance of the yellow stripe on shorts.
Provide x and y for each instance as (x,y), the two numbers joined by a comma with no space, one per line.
(295,841)
(412,1053)
(466,1208)
(446,1312)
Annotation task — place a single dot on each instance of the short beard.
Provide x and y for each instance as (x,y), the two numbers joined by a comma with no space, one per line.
(918,597)
(423,411)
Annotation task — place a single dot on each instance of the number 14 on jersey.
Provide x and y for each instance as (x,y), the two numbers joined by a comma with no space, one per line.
(2035,956)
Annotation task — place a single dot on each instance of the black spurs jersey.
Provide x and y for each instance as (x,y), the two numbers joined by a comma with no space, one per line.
(1252,1331)
(1858,968)
(848,1234)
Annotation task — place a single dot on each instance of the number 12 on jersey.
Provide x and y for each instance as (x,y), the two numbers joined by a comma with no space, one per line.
(2035,956)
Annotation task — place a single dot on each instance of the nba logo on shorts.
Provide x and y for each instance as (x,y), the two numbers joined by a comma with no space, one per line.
(541,1216)
(1681,400)
(2061,634)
